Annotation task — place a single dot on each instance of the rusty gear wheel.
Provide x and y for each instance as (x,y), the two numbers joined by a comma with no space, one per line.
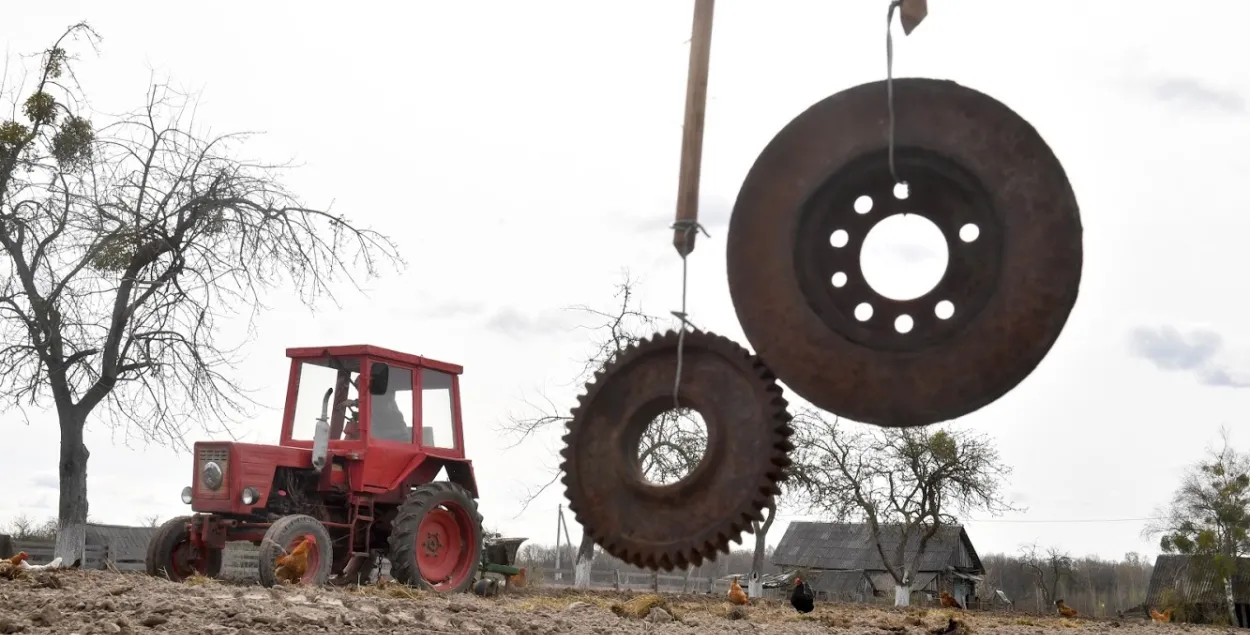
(978,171)
(680,524)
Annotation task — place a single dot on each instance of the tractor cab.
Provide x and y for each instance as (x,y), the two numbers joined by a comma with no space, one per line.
(370,397)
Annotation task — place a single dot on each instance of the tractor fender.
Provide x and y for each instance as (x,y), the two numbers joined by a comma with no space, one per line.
(459,471)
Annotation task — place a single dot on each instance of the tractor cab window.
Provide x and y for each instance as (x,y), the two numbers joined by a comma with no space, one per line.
(390,413)
(315,378)
(437,418)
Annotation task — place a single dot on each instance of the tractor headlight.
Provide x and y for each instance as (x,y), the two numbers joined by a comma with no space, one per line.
(211,475)
(186,495)
(250,496)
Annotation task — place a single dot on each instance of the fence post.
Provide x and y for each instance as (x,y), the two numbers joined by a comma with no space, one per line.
(616,579)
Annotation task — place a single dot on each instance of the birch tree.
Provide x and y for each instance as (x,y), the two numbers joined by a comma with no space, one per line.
(1209,517)
(904,483)
(125,241)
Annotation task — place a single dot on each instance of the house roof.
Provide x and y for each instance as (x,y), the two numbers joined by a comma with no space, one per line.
(1189,580)
(818,545)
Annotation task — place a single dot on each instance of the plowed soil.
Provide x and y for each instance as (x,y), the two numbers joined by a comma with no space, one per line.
(100,602)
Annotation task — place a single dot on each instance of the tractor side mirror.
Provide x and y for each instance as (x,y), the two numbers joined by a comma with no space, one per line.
(379,375)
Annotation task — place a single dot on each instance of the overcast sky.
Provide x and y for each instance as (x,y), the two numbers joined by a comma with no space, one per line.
(522,154)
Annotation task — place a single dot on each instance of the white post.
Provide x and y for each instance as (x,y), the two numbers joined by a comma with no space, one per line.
(559,521)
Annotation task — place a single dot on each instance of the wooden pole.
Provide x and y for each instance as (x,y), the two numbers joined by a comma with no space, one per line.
(692,128)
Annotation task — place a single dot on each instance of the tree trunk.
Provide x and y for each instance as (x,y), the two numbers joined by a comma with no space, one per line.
(585,556)
(1232,603)
(755,586)
(71,537)
(902,595)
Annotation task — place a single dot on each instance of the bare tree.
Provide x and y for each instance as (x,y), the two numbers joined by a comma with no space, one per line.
(1048,568)
(151,520)
(1209,517)
(905,483)
(672,444)
(124,246)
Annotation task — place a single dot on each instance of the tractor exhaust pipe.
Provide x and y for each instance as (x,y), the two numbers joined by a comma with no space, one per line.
(321,433)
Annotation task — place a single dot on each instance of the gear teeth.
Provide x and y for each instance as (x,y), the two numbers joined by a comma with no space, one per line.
(697,554)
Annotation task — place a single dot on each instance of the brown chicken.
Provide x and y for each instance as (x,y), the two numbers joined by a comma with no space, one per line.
(949,601)
(292,566)
(1165,616)
(1064,609)
(519,580)
(10,568)
(736,594)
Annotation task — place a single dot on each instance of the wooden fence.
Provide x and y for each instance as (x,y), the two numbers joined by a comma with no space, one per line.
(95,557)
(619,580)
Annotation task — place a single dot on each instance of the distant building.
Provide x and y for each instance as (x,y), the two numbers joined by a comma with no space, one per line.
(1191,588)
(844,563)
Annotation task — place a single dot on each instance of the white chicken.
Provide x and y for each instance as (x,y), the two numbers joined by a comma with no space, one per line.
(55,564)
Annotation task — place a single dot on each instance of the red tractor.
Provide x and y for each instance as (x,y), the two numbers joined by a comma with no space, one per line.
(365,433)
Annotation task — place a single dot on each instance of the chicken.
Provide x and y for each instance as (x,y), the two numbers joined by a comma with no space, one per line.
(11,568)
(291,567)
(949,601)
(1165,616)
(1064,609)
(736,594)
(519,580)
(802,598)
(55,564)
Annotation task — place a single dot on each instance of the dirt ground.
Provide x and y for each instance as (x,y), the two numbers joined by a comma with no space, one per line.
(100,602)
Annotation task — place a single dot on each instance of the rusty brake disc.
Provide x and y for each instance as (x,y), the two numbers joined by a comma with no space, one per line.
(975,169)
(680,524)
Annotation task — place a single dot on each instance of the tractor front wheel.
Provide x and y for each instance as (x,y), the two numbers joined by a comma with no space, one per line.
(311,566)
(171,555)
(436,538)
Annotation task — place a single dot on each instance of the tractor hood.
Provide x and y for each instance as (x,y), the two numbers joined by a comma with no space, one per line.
(224,470)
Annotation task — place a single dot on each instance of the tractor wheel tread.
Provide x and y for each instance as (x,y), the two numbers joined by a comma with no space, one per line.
(161,546)
(403,538)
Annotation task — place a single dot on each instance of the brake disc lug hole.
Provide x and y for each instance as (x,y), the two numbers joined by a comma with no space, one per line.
(839,279)
(969,233)
(863,312)
(944,310)
(863,204)
(904,323)
(839,238)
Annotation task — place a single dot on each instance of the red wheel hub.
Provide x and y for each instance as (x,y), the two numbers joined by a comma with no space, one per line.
(443,552)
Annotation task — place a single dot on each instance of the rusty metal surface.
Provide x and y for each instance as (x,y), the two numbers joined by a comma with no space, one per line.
(969,160)
(667,526)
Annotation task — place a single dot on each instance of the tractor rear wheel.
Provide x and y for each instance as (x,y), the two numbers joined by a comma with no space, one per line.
(171,555)
(436,538)
(283,537)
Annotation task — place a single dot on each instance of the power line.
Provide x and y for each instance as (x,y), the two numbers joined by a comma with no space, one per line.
(1072,520)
